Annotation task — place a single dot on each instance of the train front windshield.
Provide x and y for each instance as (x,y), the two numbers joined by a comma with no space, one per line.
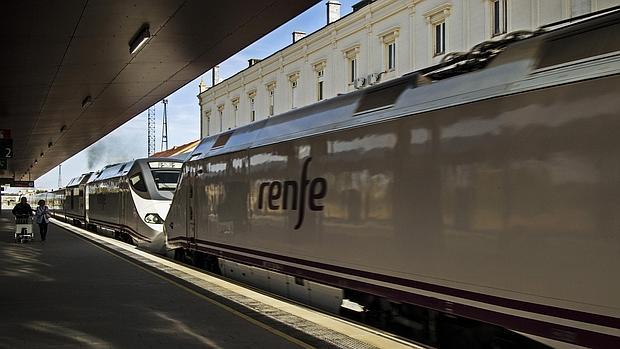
(166,180)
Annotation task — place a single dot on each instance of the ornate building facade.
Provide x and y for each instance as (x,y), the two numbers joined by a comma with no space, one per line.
(378,41)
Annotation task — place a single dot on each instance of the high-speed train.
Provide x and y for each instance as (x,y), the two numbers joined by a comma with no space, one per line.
(73,199)
(473,204)
(128,200)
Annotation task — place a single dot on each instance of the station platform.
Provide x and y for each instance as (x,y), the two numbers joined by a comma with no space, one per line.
(83,290)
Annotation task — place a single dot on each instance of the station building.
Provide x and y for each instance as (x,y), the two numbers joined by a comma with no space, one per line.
(378,41)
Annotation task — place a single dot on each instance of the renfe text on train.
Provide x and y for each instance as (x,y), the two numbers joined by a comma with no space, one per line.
(291,195)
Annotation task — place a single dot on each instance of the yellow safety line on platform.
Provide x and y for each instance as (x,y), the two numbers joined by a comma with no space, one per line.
(223,306)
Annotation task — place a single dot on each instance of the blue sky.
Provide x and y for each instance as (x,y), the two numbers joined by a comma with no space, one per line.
(130,140)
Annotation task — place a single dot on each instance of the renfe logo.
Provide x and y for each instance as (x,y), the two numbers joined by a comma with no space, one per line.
(291,195)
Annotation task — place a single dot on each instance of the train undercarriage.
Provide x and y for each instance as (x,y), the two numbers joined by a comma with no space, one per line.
(421,325)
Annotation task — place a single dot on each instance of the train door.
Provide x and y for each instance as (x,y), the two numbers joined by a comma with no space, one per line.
(191,212)
(86,204)
(72,200)
(81,202)
(123,197)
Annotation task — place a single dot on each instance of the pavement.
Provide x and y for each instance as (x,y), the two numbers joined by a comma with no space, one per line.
(69,293)
(79,289)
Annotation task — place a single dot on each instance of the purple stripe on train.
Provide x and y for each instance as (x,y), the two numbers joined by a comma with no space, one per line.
(549,330)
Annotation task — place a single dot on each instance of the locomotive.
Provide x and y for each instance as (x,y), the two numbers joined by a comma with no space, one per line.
(471,204)
(128,201)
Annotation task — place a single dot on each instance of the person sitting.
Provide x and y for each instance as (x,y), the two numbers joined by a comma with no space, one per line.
(22,209)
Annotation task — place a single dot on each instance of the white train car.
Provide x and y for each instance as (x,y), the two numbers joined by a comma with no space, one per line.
(74,199)
(470,205)
(131,200)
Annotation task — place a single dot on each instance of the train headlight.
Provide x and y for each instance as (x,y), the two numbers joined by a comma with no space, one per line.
(153,218)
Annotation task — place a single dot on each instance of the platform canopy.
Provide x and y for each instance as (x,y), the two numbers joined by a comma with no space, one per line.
(68,78)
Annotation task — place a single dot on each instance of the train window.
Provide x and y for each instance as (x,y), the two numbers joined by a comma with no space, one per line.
(122,168)
(221,140)
(381,98)
(576,46)
(166,180)
(194,157)
(137,182)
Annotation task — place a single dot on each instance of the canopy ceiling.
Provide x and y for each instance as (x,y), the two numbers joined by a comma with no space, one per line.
(68,77)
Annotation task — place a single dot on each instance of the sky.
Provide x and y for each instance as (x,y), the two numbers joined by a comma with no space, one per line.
(129,141)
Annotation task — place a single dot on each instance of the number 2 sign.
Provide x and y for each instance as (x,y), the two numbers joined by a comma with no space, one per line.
(6,148)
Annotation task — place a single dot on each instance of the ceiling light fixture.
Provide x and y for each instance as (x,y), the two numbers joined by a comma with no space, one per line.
(41,154)
(87,102)
(139,39)
(49,145)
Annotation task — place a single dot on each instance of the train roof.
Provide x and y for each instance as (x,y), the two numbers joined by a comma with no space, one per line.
(82,179)
(123,168)
(490,69)
(111,171)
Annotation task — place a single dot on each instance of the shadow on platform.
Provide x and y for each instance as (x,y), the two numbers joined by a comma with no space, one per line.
(68,293)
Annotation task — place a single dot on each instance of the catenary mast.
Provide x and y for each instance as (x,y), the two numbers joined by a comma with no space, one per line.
(151,130)
(164,128)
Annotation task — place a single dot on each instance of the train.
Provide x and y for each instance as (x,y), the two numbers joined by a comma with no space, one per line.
(472,204)
(128,201)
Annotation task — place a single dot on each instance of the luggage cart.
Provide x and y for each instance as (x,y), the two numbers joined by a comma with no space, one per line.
(23,229)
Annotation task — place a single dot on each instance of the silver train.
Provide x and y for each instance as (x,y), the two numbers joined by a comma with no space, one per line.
(473,204)
(128,201)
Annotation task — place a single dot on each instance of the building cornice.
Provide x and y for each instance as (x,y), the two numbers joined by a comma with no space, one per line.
(293,76)
(438,13)
(319,65)
(271,85)
(351,51)
(389,35)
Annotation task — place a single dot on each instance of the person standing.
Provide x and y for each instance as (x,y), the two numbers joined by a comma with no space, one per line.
(22,209)
(42,216)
